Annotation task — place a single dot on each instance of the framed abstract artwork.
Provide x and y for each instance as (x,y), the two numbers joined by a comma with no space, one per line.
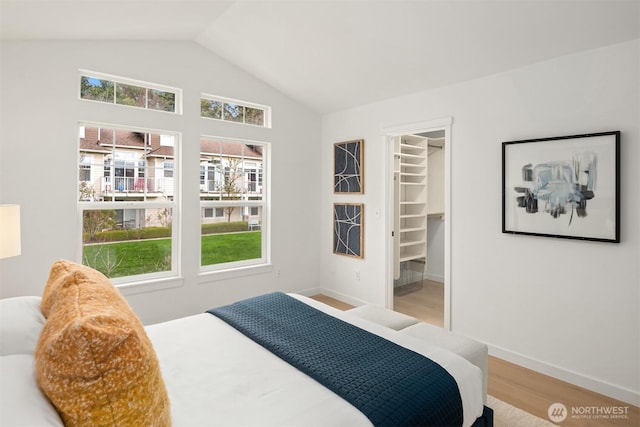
(567,187)
(348,229)
(348,171)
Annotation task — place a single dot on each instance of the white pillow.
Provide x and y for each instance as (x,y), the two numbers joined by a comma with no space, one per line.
(22,403)
(20,324)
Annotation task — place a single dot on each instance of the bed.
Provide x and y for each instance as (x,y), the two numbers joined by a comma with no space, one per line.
(201,370)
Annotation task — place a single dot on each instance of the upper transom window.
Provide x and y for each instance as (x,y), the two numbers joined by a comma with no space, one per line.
(231,110)
(133,93)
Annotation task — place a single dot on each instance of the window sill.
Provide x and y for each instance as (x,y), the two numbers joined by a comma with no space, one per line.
(214,276)
(152,285)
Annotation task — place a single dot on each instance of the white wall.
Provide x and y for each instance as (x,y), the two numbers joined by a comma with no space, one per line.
(568,308)
(40,110)
(435,249)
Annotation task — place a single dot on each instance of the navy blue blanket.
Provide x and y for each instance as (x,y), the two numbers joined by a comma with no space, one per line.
(391,385)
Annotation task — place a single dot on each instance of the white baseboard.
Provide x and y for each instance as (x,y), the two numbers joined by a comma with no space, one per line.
(434,277)
(598,386)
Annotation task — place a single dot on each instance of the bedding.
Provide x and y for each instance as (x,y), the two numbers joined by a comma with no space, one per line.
(22,403)
(212,373)
(393,386)
(20,324)
(247,385)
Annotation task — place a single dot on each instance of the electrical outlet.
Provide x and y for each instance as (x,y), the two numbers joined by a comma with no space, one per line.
(357,275)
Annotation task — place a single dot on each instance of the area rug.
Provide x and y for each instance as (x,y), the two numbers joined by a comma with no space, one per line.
(505,415)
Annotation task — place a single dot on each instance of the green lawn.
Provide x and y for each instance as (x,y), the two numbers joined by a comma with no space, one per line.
(146,256)
(219,248)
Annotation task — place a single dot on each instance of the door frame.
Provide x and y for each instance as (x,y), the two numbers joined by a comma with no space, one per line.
(389,133)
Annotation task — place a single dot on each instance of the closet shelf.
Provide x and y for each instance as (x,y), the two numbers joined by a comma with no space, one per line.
(413,165)
(420,215)
(412,257)
(413,156)
(410,230)
(404,145)
(412,243)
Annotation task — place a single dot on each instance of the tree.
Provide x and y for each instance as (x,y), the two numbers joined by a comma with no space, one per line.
(96,89)
(230,188)
(164,217)
(94,221)
(86,191)
(211,109)
(106,262)
(134,96)
(161,100)
(254,116)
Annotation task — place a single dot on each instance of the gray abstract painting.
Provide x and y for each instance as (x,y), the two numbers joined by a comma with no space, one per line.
(563,187)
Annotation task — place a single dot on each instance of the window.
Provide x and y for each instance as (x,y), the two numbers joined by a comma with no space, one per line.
(231,182)
(85,168)
(127,196)
(128,188)
(119,90)
(168,169)
(213,107)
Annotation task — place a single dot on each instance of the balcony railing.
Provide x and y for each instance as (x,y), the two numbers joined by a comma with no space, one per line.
(154,186)
(119,184)
(211,186)
(127,184)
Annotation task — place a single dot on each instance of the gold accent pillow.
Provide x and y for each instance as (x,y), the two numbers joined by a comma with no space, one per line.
(94,360)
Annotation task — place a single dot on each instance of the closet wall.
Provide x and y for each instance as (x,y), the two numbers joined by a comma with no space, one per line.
(435,210)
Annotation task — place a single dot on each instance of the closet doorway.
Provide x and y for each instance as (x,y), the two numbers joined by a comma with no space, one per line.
(418,244)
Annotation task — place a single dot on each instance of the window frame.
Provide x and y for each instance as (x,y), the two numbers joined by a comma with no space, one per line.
(174,205)
(229,268)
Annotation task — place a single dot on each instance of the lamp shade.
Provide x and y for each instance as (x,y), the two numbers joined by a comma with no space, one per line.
(9,230)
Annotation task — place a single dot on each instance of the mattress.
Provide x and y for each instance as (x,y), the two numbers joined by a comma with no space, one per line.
(216,376)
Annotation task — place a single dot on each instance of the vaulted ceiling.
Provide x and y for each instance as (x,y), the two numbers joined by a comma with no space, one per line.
(331,55)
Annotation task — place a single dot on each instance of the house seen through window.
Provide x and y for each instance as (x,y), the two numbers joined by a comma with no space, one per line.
(232,202)
(127,195)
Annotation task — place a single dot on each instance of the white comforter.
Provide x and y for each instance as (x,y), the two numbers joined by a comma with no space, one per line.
(216,376)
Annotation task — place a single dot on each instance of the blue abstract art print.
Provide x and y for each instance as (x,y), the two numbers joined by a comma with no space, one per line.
(348,229)
(348,158)
(563,187)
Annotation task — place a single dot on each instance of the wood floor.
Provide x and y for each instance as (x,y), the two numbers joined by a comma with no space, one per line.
(521,387)
(425,304)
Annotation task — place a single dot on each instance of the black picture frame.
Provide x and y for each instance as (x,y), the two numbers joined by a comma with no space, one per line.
(565,187)
(348,227)
(348,167)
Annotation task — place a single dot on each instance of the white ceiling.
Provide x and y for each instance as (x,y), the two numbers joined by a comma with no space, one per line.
(332,55)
